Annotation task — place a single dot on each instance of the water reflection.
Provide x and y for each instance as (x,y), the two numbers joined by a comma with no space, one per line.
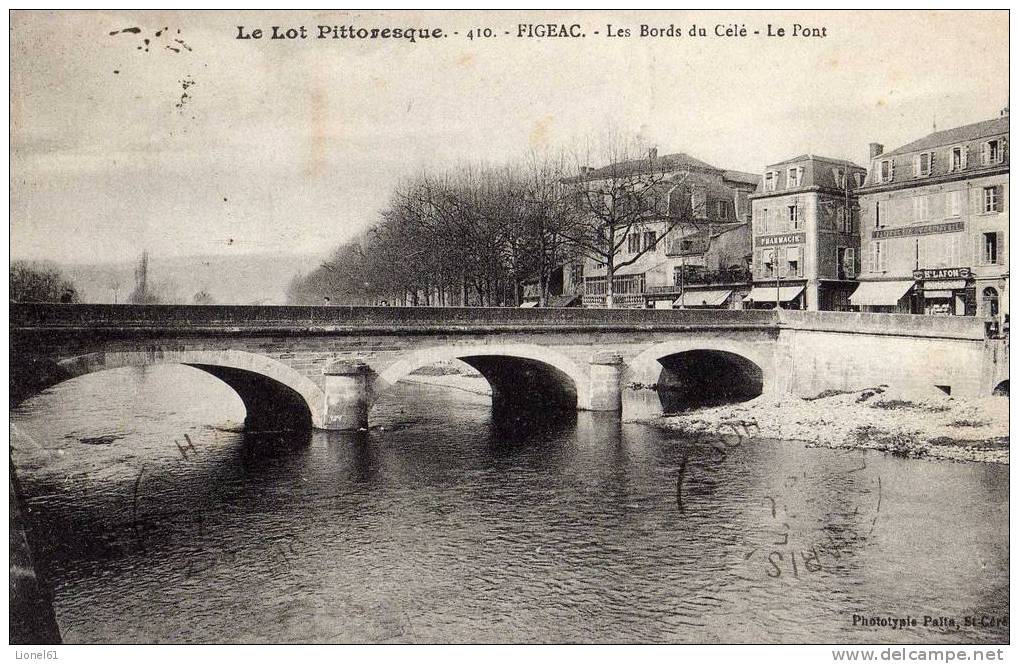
(448,522)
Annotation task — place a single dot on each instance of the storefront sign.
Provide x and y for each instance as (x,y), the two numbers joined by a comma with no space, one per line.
(786,238)
(910,231)
(942,273)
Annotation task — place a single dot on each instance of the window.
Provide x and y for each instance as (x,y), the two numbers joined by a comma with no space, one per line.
(989,255)
(991,199)
(845,262)
(793,257)
(878,259)
(633,243)
(957,159)
(877,214)
(921,208)
(577,273)
(992,152)
(953,204)
(768,262)
(771,181)
(794,215)
(886,170)
(723,209)
(764,221)
(934,251)
(989,301)
(650,237)
(843,220)
(858,179)
(922,164)
(840,177)
(794,177)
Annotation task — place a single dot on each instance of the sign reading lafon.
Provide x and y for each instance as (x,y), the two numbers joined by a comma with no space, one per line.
(942,273)
(785,238)
(909,231)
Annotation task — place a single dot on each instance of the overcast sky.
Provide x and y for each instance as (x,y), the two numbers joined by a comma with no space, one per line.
(294,146)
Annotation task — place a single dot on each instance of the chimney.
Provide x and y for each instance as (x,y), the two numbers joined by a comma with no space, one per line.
(653,153)
(876,149)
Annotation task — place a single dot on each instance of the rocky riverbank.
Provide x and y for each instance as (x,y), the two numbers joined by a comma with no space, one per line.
(879,418)
(932,425)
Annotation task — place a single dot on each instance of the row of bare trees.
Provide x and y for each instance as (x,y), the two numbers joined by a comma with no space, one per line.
(473,236)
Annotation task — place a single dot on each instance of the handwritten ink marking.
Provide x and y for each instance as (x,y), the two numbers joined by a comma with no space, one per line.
(679,484)
(139,539)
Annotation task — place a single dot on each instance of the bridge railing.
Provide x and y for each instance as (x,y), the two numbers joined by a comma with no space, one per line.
(408,319)
(942,327)
(106,316)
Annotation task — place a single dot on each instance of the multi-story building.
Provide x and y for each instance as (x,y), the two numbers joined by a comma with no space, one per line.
(806,241)
(700,262)
(935,224)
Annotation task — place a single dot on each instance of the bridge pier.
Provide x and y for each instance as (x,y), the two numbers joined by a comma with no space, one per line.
(348,395)
(606,375)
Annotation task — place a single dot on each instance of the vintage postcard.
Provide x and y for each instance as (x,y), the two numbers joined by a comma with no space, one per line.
(510,327)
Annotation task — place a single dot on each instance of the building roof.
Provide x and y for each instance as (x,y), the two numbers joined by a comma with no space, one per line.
(816,171)
(963,134)
(666,163)
(814,157)
(741,176)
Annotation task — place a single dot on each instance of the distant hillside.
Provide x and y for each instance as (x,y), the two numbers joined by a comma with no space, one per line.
(243,279)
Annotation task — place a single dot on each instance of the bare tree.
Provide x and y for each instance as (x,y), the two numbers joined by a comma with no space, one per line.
(628,196)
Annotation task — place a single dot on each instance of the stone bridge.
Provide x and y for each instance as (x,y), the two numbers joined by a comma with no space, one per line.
(327,366)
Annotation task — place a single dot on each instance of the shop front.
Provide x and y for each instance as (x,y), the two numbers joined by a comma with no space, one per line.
(949,291)
(770,297)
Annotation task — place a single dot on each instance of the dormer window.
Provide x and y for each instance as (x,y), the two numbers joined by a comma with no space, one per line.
(840,177)
(722,209)
(886,170)
(922,164)
(858,179)
(957,158)
(794,177)
(771,181)
(992,152)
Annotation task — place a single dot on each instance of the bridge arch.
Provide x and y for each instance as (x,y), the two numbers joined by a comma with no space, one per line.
(517,373)
(275,396)
(673,374)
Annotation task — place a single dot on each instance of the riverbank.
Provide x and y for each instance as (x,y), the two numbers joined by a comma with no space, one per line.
(879,418)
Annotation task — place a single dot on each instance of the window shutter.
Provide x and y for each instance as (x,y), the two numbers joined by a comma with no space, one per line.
(985,153)
(916,166)
(865,253)
(799,264)
(965,153)
(891,169)
(1000,239)
(976,200)
(850,262)
(978,250)
(998,199)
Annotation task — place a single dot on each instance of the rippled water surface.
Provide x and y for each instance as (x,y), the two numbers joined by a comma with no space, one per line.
(157,520)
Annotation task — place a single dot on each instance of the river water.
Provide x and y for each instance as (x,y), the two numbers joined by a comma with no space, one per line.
(157,520)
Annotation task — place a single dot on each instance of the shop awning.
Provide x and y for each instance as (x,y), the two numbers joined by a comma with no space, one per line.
(528,305)
(879,293)
(765,294)
(705,298)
